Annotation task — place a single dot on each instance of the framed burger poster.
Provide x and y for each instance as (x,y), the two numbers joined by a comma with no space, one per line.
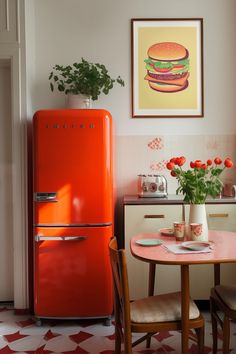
(167,68)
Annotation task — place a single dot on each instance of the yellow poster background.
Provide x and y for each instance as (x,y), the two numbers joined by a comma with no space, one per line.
(151,99)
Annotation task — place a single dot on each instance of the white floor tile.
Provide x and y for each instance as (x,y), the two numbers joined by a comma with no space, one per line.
(59,337)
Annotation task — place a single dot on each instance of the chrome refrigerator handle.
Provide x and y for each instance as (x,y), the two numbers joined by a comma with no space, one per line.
(39,238)
(45,197)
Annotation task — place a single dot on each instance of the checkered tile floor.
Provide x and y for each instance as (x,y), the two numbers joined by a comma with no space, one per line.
(20,334)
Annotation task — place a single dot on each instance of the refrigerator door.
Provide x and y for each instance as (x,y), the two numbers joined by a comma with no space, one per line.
(72,272)
(72,152)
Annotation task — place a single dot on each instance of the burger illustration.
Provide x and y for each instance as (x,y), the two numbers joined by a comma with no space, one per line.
(167,67)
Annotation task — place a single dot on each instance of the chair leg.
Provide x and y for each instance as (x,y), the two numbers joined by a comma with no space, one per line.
(128,341)
(226,335)
(148,342)
(118,338)
(214,325)
(200,339)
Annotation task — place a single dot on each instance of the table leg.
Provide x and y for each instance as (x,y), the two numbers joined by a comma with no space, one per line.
(185,306)
(151,280)
(216,274)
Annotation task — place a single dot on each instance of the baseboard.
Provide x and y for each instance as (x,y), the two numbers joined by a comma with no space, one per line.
(21,311)
(7,304)
(10,304)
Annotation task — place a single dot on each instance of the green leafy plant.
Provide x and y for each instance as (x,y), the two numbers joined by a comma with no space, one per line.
(83,78)
(201,180)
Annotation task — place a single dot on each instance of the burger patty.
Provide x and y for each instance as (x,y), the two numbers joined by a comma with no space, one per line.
(166,76)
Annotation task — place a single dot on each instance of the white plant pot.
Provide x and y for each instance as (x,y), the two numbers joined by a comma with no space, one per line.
(78,101)
(198,215)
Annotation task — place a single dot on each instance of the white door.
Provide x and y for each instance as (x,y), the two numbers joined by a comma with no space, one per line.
(6,210)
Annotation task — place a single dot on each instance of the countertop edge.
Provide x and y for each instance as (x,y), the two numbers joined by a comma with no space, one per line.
(171,199)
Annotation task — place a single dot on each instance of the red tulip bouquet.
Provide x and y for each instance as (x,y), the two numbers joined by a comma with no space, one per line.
(201,180)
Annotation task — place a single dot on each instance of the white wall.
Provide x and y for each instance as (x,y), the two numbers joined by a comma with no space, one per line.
(30,52)
(100,31)
(66,30)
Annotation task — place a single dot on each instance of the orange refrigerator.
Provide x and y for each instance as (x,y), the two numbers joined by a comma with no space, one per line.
(72,213)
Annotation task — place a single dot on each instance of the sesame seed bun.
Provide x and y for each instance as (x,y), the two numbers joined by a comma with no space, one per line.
(167,51)
(166,87)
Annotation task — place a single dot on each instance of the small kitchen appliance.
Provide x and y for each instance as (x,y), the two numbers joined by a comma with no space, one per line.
(229,190)
(152,186)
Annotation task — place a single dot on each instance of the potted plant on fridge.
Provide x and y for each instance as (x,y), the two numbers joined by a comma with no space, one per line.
(86,79)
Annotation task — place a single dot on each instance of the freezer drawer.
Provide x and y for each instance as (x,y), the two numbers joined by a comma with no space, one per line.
(72,272)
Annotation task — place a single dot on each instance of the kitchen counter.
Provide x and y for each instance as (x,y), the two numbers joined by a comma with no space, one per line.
(172,199)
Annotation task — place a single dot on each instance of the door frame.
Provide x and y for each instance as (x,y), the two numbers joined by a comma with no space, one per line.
(19,177)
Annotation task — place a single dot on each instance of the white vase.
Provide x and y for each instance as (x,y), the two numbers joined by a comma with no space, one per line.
(198,215)
(78,101)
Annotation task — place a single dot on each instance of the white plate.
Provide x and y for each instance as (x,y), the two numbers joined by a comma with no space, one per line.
(149,242)
(196,245)
(167,232)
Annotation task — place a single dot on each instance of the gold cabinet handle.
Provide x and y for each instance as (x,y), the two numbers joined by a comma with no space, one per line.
(154,216)
(219,215)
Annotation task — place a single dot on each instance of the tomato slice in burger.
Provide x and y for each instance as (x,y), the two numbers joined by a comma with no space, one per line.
(163,70)
(179,66)
(163,67)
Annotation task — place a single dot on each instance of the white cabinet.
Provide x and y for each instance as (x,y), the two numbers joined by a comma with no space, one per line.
(219,217)
(144,219)
(141,217)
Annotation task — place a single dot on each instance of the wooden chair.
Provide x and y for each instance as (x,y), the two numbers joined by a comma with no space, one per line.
(148,315)
(223,308)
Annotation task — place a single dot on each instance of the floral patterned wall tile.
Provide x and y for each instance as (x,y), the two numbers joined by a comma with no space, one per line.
(156,144)
(148,155)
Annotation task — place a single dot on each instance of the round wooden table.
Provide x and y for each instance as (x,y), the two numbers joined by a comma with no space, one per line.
(223,250)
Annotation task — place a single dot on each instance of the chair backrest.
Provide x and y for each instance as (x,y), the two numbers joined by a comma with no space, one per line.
(120,284)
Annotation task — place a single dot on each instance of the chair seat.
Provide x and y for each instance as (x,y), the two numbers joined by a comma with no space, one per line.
(149,315)
(160,308)
(228,295)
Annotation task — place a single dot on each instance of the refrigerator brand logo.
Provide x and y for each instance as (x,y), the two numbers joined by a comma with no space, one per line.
(68,126)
